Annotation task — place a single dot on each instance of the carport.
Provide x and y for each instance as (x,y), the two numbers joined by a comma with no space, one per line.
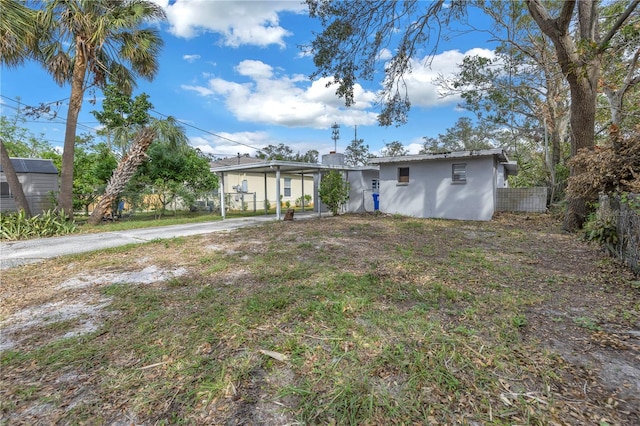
(276,167)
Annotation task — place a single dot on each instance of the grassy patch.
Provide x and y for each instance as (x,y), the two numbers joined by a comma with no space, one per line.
(312,323)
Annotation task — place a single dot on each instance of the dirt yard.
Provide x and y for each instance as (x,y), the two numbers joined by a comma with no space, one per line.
(582,310)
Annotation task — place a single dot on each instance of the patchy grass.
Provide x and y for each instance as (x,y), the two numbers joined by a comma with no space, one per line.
(347,320)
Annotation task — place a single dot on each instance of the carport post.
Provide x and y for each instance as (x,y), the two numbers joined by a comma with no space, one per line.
(316,193)
(266,199)
(222,195)
(278,192)
(302,198)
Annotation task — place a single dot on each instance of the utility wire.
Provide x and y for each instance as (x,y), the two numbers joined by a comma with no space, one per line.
(208,132)
(63,119)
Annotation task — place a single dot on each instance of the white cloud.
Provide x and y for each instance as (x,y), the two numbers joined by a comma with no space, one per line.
(191,58)
(287,100)
(423,89)
(238,22)
(384,55)
(255,69)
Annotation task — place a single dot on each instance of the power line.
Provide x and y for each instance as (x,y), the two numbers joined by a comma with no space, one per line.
(208,132)
(57,117)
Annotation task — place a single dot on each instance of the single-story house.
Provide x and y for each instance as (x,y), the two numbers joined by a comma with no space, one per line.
(39,179)
(452,185)
(243,185)
(289,180)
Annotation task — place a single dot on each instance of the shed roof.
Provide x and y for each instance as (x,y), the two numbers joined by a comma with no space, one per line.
(33,165)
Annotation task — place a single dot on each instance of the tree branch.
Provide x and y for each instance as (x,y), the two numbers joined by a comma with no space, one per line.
(616,26)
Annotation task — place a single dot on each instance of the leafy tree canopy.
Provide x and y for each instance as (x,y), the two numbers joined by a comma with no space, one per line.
(394,149)
(357,153)
(284,152)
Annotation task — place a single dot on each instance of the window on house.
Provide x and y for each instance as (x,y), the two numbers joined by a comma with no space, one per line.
(459,173)
(287,187)
(403,175)
(4,189)
(375,185)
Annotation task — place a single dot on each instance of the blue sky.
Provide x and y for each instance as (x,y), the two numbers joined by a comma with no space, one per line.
(233,71)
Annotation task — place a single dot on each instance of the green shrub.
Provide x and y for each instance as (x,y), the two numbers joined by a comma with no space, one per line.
(17,226)
(334,191)
(603,231)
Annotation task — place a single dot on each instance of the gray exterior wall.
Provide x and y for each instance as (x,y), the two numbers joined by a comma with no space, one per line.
(37,187)
(430,192)
(360,192)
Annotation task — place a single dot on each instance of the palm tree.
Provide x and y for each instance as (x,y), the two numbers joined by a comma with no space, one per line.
(18,41)
(168,131)
(96,41)
(18,33)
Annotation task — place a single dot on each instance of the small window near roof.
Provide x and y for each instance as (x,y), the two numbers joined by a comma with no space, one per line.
(403,175)
(459,173)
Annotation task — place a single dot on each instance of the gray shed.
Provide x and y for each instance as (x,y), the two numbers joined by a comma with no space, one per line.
(39,179)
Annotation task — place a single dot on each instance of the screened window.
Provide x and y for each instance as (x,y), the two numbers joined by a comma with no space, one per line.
(403,175)
(459,173)
(287,187)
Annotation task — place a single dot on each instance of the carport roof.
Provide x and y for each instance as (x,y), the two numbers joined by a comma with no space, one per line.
(292,167)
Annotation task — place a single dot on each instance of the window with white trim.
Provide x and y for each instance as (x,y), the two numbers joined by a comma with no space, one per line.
(287,187)
(403,175)
(459,173)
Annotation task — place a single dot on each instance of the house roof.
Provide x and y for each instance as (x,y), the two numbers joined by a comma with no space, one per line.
(500,154)
(270,166)
(33,165)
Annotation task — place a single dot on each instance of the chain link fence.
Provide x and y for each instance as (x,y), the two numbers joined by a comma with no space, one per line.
(625,216)
(533,200)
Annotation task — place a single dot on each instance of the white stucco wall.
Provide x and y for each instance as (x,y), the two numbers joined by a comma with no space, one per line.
(360,193)
(430,192)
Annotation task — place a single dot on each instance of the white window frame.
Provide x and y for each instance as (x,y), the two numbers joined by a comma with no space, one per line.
(403,179)
(287,187)
(459,173)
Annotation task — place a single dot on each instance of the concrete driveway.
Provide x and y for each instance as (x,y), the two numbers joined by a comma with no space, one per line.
(17,253)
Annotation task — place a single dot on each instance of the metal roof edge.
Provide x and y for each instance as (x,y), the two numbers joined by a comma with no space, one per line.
(442,156)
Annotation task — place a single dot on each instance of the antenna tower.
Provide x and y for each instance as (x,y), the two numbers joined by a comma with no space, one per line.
(335,135)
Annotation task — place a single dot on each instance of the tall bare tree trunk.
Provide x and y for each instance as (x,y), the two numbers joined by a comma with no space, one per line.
(580,62)
(581,71)
(123,173)
(65,199)
(12,180)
